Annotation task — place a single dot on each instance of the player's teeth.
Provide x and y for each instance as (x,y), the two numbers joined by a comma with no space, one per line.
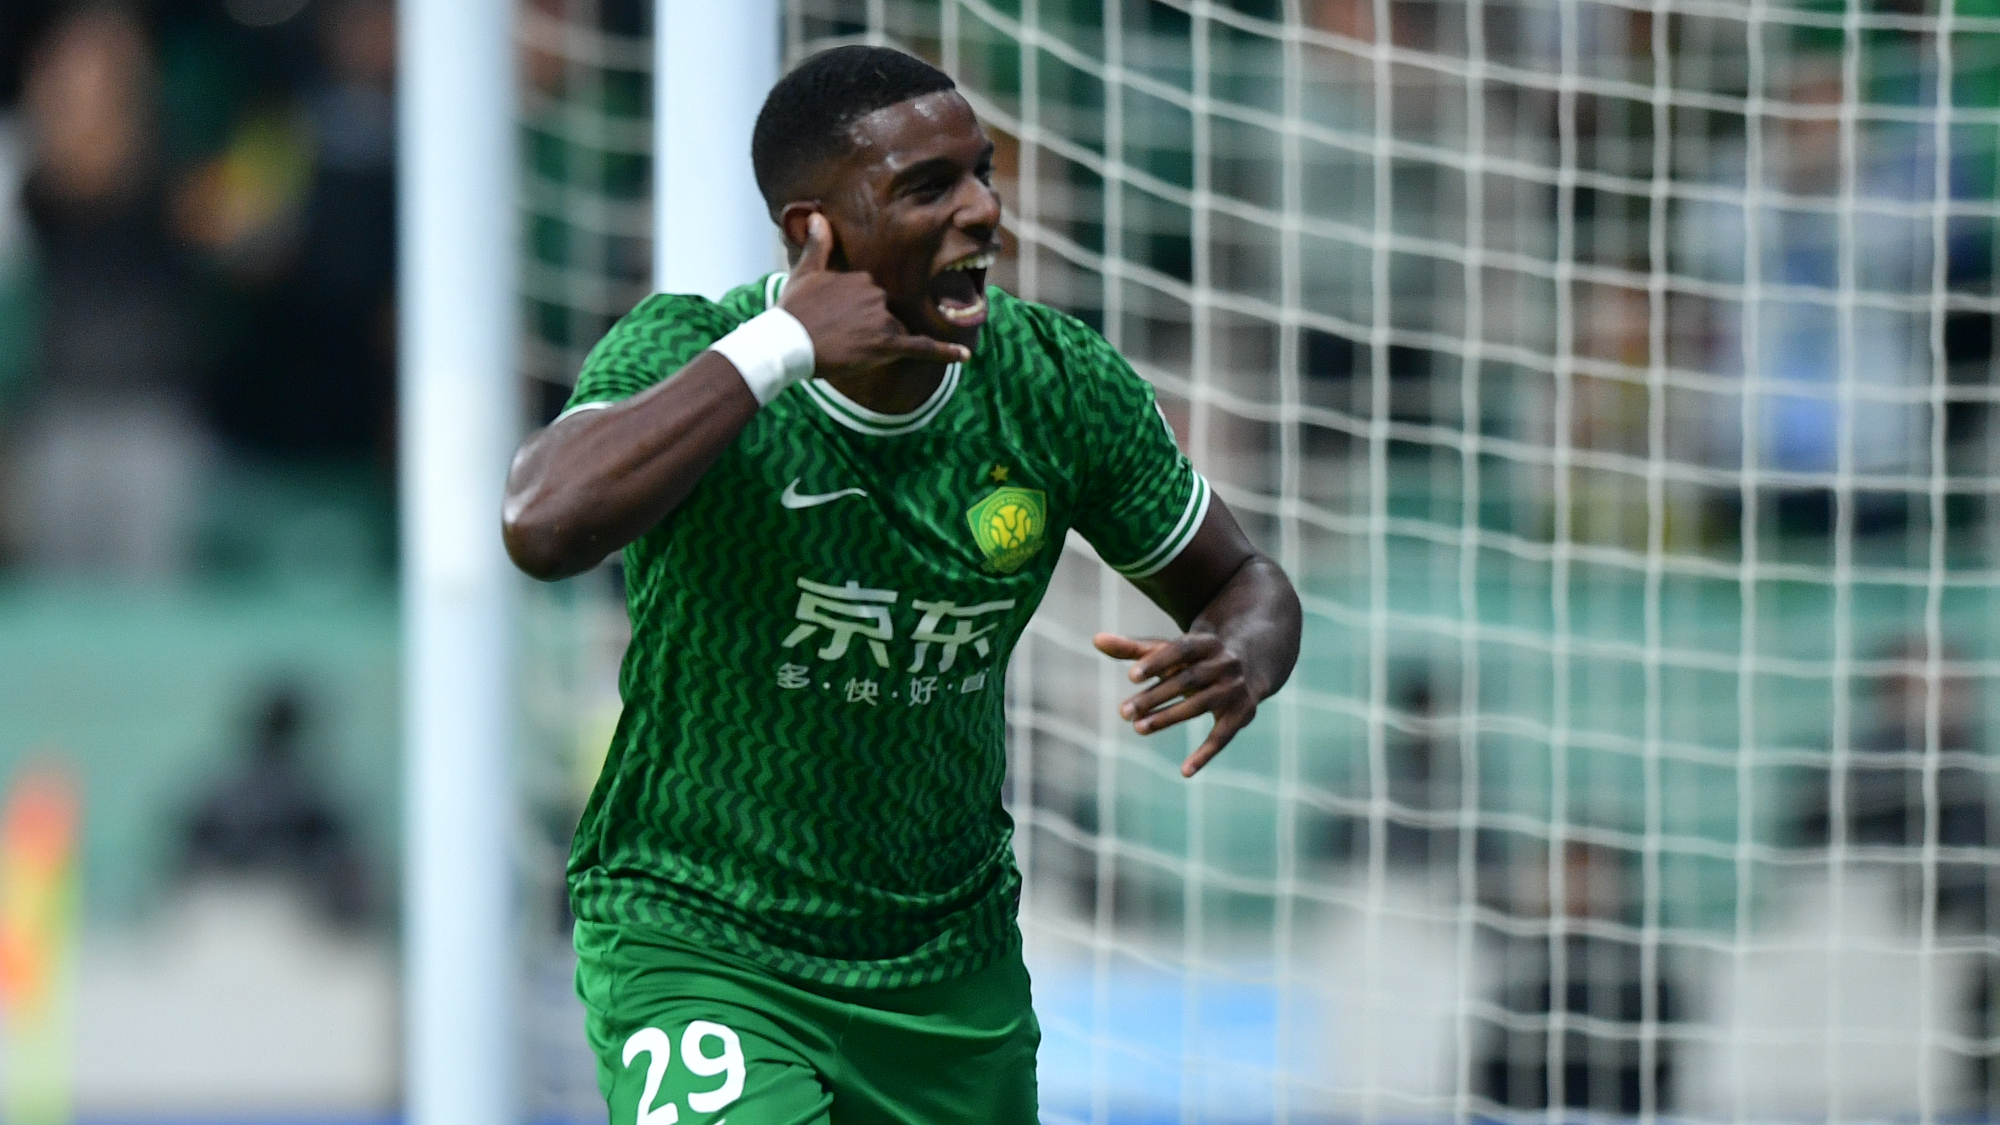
(976,262)
(966,315)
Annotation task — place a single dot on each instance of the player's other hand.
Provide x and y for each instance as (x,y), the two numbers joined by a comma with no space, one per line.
(1185,676)
(847,314)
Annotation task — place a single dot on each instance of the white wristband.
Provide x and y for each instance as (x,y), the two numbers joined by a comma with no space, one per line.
(771,351)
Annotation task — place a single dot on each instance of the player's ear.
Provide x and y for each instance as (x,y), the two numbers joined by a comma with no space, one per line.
(793,220)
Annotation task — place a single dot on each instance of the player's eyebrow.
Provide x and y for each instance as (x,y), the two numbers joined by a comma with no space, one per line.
(924,169)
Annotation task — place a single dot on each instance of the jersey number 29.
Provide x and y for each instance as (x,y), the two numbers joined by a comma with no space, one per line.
(655,1044)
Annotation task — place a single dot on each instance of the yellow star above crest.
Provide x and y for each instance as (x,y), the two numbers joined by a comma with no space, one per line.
(998,475)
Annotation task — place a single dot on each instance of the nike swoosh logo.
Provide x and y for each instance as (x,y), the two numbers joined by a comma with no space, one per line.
(795,499)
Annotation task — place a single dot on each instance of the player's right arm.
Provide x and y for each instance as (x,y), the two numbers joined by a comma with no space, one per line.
(593,481)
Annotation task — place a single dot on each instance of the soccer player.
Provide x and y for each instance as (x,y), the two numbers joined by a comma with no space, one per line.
(841,492)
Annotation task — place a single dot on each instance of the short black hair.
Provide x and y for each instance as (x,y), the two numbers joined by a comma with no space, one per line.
(807,114)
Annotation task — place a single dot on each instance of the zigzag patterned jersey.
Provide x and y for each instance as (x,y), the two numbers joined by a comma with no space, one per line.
(808,767)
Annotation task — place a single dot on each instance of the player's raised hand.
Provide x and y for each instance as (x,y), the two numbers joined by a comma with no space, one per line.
(847,314)
(1192,674)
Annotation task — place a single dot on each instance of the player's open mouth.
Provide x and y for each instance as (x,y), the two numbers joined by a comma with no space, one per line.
(959,290)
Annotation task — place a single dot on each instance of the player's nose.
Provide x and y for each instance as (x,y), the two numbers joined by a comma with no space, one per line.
(979,212)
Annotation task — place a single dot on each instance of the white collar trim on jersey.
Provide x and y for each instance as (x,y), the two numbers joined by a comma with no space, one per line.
(852,414)
(857,417)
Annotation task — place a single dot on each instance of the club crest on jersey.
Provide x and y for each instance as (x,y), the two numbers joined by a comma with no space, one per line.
(1009,525)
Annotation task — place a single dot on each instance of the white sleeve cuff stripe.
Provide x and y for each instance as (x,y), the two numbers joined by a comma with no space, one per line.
(1177,541)
(580,408)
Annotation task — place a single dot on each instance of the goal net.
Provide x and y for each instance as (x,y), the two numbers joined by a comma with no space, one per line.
(1613,379)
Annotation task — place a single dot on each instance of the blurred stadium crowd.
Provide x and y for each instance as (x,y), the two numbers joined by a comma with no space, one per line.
(197,269)
(197,541)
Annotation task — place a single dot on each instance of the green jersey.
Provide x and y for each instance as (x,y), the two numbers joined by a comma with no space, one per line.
(808,767)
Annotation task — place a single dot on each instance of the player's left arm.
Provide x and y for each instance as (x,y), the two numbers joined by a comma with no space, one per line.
(1240,619)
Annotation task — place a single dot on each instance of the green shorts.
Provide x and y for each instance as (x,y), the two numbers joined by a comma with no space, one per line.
(687,1036)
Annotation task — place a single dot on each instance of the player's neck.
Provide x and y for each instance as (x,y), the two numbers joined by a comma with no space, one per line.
(897,389)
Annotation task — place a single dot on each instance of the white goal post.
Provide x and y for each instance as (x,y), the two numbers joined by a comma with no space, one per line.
(459,418)
(712,65)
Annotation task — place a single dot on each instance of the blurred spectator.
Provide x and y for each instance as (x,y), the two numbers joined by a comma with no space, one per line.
(212,223)
(301,209)
(110,454)
(1421,763)
(1423,779)
(21,23)
(1604,998)
(272,816)
(16,274)
(1804,247)
(1885,807)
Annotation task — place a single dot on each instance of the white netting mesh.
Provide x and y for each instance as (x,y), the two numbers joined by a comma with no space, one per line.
(1613,379)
